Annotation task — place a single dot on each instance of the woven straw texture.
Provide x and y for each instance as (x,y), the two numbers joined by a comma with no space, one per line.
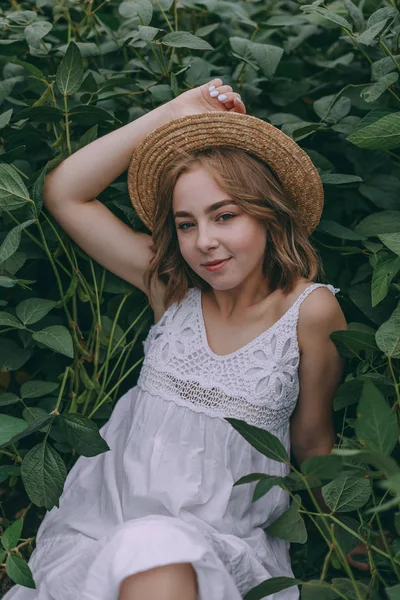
(297,174)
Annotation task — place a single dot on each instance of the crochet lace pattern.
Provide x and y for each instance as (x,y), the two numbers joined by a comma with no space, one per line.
(258,383)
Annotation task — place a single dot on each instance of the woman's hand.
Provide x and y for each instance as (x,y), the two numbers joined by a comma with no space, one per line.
(210,97)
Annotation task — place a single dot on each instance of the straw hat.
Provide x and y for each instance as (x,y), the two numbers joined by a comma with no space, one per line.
(296,172)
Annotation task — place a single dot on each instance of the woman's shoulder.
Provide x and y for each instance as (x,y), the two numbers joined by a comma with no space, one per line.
(319,308)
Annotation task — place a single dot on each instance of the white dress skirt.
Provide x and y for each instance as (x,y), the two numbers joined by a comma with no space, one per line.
(164,493)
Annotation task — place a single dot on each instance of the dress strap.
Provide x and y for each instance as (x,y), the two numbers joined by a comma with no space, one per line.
(313,287)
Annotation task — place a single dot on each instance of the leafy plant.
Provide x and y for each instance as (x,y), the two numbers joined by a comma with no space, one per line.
(327,75)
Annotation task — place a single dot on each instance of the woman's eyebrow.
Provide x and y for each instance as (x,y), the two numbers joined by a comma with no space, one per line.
(209,209)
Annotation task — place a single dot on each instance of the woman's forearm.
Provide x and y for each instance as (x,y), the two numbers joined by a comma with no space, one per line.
(85,174)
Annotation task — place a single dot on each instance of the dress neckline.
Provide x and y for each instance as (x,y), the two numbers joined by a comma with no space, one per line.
(198,297)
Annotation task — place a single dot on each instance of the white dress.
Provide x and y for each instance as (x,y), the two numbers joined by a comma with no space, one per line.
(164,492)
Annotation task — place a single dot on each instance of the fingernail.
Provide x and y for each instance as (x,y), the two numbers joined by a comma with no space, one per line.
(222,97)
(239,100)
(211,88)
(214,93)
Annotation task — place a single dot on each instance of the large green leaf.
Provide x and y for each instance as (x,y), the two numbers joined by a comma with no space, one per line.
(385,269)
(13,192)
(388,335)
(376,424)
(384,134)
(56,337)
(329,15)
(8,320)
(271,586)
(383,463)
(33,310)
(83,435)
(323,467)
(262,440)
(290,525)
(69,74)
(11,535)
(9,427)
(36,389)
(392,241)
(43,473)
(346,493)
(267,57)
(265,485)
(13,240)
(393,592)
(19,572)
(349,342)
(318,590)
(184,39)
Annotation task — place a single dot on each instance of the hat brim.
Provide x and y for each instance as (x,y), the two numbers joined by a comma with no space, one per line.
(294,168)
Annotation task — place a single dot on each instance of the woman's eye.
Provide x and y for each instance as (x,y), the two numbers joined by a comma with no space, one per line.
(181,226)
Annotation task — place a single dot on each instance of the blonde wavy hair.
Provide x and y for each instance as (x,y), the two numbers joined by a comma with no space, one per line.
(255,188)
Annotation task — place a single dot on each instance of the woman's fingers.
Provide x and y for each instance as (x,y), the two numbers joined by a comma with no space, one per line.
(223,96)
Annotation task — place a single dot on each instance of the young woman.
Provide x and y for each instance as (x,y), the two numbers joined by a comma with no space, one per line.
(240,331)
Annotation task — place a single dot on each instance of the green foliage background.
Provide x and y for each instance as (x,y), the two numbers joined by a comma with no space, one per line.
(71,333)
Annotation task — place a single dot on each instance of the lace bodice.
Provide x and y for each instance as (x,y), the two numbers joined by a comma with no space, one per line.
(257,383)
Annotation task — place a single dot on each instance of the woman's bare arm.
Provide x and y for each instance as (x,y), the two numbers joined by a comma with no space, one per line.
(71,189)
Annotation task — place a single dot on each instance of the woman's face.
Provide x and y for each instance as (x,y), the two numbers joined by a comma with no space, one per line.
(208,233)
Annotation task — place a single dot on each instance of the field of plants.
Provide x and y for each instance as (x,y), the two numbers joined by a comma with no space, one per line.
(327,74)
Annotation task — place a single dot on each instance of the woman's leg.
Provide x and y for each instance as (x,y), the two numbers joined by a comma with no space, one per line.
(172,582)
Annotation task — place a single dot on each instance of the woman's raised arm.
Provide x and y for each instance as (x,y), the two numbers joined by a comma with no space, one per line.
(71,188)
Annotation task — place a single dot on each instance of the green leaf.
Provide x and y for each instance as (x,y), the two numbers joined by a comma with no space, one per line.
(7,471)
(265,485)
(262,440)
(33,310)
(368,36)
(332,108)
(323,467)
(384,134)
(337,230)
(38,424)
(13,192)
(90,115)
(12,240)
(43,474)
(393,593)
(391,241)
(381,462)
(387,221)
(10,537)
(8,320)
(346,493)
(290,525)
(12,357)
(8,398)
(19,572)
(56,337)
(339,179)
(69,74)
(37,190)
(271,586)
(140,9)
(388,335)
(9,427)
(267,57)
(83,435)
(36,389)
(34,34)
(248,478)
(374,91)
(32,69)
(382,67)
(328,15)
(350,342)
(386,268)
(317,590)
(376,424)
(5,118)
(184,39)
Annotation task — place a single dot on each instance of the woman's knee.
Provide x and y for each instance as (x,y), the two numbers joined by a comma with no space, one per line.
(172,581)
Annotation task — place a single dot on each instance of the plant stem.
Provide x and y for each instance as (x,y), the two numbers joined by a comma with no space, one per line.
(129,371)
